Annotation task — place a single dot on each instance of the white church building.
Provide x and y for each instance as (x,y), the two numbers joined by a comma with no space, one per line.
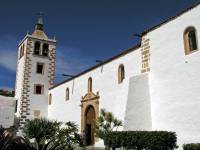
(154,85)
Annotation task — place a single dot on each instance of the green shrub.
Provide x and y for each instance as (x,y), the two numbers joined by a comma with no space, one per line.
(192,146)
(139,140)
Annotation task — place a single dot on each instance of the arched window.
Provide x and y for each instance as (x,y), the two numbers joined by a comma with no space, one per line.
(45,49)
(190,40)
(67,94)
(37,48)
(21,51)
(50,99)
(90,84)
(121,73)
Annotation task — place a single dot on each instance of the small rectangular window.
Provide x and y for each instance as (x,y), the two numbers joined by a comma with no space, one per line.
(40,68)
(39,89)
(36,114)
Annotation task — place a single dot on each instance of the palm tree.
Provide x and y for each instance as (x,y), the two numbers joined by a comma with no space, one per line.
(68,136)
(41,130)
(8,141)
(42,134)
(51,135)
(105,123)
(5,139)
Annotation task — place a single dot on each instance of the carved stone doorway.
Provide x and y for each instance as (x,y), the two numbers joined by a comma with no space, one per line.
(89,120)
(89,112)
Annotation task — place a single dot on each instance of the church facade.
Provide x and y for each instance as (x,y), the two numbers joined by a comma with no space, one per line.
(152,86)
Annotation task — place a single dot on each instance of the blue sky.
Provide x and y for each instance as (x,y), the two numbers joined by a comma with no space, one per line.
(86,30)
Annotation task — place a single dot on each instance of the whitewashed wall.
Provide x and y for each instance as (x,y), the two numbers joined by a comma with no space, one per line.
(175,79)
(7,108)
(113,96)
(20,77)
(138,108)
(39,102)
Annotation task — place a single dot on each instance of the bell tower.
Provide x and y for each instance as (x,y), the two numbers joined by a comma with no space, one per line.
(35,73)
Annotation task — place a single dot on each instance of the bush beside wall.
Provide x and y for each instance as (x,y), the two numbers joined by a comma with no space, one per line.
(139,140)
(192,146)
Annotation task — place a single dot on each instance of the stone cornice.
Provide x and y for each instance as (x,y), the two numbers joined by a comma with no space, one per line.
(34,37)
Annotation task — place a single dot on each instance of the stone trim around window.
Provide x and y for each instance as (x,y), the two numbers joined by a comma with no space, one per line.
(50,99)
(37,114)
(190,47)
(121,73)
(38,91)
(43,66)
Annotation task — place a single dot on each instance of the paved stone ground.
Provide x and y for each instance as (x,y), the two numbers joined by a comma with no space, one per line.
(92,148)
(95,148)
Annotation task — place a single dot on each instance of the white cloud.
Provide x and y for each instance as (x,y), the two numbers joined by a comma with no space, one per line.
(8,59)
(71,61)
(8,52)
